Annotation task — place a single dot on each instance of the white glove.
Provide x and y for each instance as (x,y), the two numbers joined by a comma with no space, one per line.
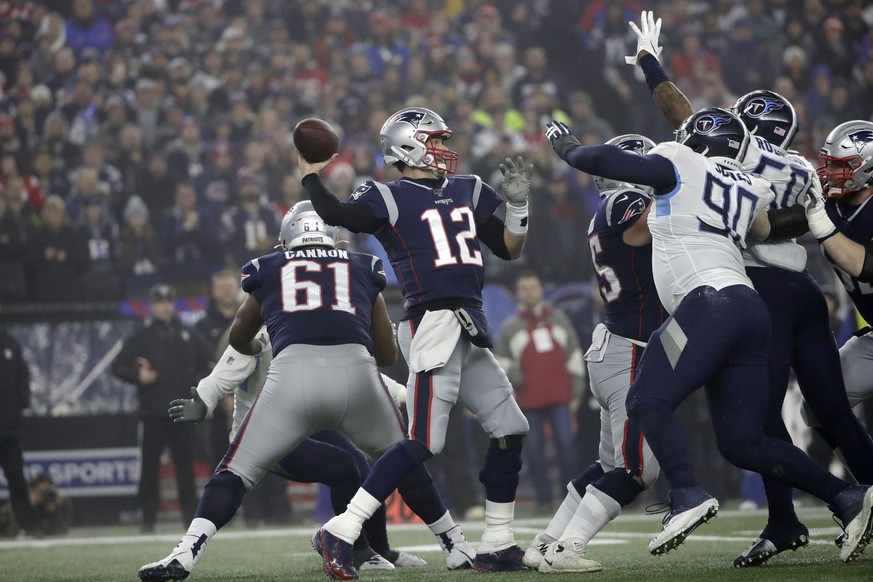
(820,224)
(647,38)
(516,180)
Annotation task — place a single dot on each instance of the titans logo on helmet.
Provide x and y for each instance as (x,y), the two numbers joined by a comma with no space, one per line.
(413,118)
(861,138)
(708,123)
(632,145)
(760,106)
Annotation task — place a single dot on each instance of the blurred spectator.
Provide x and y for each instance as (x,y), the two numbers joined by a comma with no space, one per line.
(834,48)
(57,256)
(190,235)
(250,228)
(13,284)
(185,156)
(15,393)
(85,30)
(53,509)
(141,257)
(164,359)
(99,231)
(56,139)
(158,187)
(539,350)
(583,120)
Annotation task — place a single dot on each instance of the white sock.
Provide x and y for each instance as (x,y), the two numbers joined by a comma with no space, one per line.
(347,525)
(498,527)
(595,511)
(442,525)
(198,528)
(564,514)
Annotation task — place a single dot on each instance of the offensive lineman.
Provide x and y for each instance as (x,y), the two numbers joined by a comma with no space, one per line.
(431,225)
(718,331)
(801,334)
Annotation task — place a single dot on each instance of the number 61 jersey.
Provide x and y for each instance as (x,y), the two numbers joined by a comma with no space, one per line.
(699,228)
(315,295)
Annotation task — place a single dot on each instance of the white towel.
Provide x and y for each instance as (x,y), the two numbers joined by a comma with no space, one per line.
(434,340)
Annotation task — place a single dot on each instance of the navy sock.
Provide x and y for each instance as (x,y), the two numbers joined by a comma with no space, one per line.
(620,485)
(395,465)
(222,496)
(502,466)
(592,473)
(420,494)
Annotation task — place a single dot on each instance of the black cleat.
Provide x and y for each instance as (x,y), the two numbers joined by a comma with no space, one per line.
(772,542)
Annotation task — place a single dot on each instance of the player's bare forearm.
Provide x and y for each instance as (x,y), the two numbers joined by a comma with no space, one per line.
(673,103)
(846,254)
(245,326)
(514,244)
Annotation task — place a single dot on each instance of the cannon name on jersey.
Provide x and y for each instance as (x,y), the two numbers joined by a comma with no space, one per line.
(430,234)
(315,295)
(856,222)
(624,272)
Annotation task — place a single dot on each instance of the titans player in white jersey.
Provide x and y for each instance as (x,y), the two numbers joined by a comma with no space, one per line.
(801,334)
(621,252)
(718,332)
(432,225)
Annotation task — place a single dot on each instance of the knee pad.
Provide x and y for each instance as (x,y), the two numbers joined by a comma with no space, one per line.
(620,485)
(592,473)
(415,451)
(506,419)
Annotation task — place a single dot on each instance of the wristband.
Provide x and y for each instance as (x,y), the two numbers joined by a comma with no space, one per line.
(516,219)
(654,72)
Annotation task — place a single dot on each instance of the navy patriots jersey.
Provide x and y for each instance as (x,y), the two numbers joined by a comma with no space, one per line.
(856,222)
(315,296)
(624,272)
(244,231)
(430,235)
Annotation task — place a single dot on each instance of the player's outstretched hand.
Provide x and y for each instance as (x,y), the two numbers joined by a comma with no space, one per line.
(516,180)
(647,36)
(188,410)
(820,224)
(307,168)
(561,138)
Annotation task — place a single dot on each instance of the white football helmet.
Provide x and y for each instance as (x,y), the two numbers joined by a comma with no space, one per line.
(406,139)
(303,227)
(630,142)
(847,159)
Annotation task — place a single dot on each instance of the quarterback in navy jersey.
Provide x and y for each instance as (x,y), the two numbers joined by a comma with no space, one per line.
(801,337)
(431,224)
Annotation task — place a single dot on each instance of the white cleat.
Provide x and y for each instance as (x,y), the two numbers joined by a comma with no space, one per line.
(534,553)
(859,532)
(177,566)
(407,560)
(459,553)
(568,556)
(375,562)
(690,508)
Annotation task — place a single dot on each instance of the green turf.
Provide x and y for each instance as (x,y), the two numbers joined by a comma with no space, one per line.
(238,554)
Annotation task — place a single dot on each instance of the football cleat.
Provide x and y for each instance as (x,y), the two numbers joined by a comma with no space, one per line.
(534,553)
(373,561)
(771,543)
(459,553)
(336,556)
(507,560)
(404,559)
(856,504)
(176,566)
(568,556)
(690,507)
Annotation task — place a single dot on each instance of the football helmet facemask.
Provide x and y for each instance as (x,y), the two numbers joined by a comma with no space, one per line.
(847,159)
(769,115)
(303,227)
(406,138)
(717,134)
(630,142)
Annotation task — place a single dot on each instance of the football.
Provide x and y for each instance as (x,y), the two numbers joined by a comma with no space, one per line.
(315,139)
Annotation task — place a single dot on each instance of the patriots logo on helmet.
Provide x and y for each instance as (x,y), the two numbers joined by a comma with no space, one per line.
(413,118)
(861,138)
(760,106)
(708,123)
(633,145)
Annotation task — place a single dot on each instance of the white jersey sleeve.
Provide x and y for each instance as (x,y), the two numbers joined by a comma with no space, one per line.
(699,228)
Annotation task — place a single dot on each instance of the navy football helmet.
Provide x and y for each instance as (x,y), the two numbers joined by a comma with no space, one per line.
(716,133)
(847,159)
(769,115)
(630,142)
(405,138)
(303,227)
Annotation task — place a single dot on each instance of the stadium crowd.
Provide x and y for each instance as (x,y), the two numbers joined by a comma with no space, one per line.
(149,140)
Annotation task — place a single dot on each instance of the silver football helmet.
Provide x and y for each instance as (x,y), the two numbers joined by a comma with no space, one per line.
(847,159)
(406,139)
(630,142)
(303,227)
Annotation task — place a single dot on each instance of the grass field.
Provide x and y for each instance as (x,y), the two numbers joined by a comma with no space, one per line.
(115,554)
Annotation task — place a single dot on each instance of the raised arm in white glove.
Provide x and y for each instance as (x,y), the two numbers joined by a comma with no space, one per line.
(647,36)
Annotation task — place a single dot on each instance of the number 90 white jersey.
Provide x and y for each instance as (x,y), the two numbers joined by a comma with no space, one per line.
(699,228)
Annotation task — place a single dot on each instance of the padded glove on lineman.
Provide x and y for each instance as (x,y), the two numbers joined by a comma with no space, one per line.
(820,224)
(560,137)
(188,410)
(516,180)
(647,38)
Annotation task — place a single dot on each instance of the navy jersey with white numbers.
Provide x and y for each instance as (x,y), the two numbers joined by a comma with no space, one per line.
(315,296)
(429,230)
(856,222)
(624,272)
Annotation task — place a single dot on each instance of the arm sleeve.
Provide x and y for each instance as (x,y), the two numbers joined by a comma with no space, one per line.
(613,162)
(353,216)
(491,233)
(787,223)
(230,371)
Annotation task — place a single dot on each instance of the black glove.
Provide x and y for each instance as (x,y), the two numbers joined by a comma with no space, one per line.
(188,410)
(560,137)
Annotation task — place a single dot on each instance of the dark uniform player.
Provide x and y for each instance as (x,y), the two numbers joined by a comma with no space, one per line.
(621,253)
(431,224)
